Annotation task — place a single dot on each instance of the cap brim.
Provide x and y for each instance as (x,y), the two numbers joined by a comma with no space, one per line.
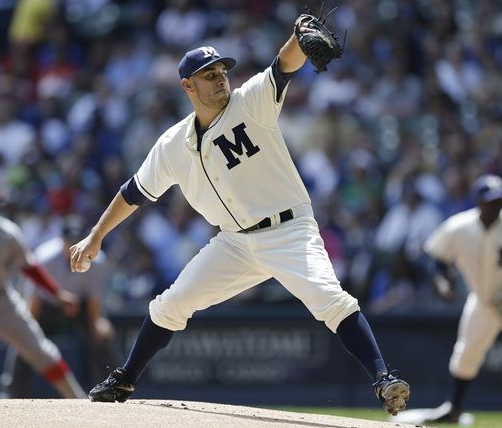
(227,61)
(491,195)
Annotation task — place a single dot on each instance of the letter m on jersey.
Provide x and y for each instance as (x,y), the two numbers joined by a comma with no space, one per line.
(229,149)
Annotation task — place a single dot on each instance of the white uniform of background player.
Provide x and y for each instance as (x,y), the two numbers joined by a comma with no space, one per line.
(474,246)
(232,164)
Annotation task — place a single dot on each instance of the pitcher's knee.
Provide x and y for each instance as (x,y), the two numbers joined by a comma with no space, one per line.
(171,310)
(339,310)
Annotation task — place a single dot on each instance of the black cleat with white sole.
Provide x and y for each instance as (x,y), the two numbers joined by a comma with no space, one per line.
(116,387)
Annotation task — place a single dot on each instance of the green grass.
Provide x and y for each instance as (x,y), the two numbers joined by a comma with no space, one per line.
(481,419)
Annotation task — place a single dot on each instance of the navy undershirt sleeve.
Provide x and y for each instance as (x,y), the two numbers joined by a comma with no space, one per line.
(442,268)
(281,79)
(131,193)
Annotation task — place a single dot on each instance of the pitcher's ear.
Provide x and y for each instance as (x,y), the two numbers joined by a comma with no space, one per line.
(185,83)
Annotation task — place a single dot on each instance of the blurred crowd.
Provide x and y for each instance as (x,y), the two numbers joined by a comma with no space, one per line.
(388,141)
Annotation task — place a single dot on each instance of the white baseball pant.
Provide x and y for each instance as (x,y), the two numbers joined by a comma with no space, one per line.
(292,252)
(479,326)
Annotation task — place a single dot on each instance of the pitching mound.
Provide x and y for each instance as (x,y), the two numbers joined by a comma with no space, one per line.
(156,413)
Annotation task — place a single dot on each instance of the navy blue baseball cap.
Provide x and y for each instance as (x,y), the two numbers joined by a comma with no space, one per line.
(197,59)
(487,188)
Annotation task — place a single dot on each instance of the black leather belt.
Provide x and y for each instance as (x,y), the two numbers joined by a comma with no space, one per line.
(267,222)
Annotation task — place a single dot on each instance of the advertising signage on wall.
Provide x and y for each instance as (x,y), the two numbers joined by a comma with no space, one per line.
(243,354)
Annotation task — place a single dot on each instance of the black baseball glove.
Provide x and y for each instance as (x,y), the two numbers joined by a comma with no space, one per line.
(317,42)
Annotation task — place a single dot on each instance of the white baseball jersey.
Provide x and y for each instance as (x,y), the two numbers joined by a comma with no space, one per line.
(477,252)
(243,150)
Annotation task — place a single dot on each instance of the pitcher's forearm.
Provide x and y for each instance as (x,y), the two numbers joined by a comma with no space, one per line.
(116,213)
(291,57)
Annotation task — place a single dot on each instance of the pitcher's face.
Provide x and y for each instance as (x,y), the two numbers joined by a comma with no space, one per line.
(211,86)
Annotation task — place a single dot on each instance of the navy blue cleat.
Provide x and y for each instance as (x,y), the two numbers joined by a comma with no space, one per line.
(392,392)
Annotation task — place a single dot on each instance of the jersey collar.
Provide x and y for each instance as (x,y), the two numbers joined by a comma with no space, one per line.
(191,135)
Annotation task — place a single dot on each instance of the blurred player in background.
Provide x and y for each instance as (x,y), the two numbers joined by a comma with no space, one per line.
(472,242)
(89,325)
(17,326)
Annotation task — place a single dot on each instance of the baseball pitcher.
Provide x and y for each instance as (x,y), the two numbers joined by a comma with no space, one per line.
(232,164)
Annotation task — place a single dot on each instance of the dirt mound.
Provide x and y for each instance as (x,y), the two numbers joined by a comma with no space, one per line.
(157,413)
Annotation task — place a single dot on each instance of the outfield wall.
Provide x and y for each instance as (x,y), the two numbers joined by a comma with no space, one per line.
(284,356)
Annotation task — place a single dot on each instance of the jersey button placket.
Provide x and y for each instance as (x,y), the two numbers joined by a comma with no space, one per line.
(208,167)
